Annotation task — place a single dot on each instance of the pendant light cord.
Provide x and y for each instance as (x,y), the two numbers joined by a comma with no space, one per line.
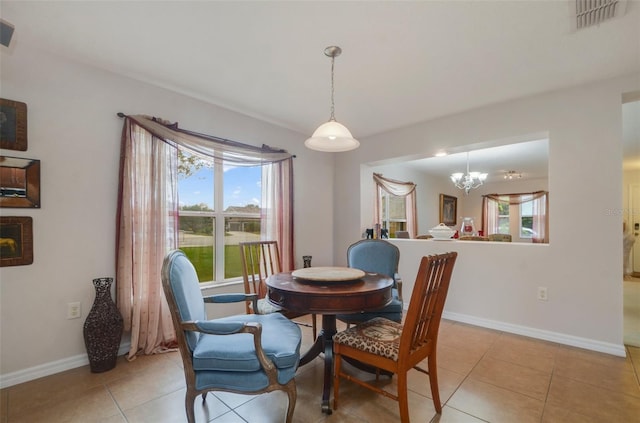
(332,117)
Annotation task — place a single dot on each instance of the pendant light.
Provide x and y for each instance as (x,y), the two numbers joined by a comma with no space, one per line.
(332,136)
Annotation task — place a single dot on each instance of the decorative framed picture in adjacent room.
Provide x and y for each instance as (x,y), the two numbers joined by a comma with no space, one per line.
(448,210)
(16,240)
(13,125)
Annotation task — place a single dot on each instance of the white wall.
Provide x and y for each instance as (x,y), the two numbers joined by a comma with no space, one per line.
(495,284)
(74,131)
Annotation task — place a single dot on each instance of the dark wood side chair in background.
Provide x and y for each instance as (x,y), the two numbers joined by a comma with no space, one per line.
(398,348)
(261,259)
(499,237)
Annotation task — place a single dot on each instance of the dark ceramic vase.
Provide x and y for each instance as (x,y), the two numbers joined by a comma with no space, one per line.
(103,328)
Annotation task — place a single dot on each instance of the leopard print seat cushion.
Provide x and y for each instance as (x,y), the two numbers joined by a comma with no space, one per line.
(378,336)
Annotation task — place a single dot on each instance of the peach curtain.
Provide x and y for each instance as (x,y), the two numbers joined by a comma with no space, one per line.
(277,210)
(147,228)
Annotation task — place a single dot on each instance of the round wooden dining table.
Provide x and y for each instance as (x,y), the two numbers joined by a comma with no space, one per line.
(328,298)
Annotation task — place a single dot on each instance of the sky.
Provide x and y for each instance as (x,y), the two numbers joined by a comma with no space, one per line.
(241,187)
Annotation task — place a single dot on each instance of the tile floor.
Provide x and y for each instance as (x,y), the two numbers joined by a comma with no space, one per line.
(485,376)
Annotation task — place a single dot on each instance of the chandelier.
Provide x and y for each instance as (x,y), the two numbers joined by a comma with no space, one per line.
(332,136)
(512,174)
(468,181)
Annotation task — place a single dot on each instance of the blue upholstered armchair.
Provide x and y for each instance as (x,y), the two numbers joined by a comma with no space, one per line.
(247,354)
(377,256)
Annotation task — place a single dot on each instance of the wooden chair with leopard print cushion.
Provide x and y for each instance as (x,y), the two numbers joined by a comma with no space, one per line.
(398,348)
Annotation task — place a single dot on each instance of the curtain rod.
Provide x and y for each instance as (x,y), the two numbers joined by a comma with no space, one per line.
(122,115)
(516,193)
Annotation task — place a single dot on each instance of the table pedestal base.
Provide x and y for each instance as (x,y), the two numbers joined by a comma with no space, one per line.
(324,344)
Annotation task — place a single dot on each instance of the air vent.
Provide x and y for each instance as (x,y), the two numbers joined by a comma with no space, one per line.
(593,12)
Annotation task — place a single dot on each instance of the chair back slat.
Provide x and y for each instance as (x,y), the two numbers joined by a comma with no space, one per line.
(427,301)
(260,259)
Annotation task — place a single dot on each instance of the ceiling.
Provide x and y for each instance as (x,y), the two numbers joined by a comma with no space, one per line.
(530,159)
(402,62)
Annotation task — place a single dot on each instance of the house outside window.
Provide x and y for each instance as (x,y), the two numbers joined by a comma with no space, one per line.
(219,208)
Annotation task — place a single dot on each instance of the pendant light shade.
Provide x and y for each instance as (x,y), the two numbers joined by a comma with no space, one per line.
(332,136)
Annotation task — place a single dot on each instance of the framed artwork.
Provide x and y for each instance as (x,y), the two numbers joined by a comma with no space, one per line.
(448,210)
(19,182)
(16,241)
(13,125)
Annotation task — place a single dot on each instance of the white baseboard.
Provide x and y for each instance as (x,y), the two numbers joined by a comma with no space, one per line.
(560,338)
(51,368)
(79,360)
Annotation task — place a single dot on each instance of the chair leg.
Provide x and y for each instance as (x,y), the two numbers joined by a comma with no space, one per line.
(337,362)
(189,400)
(433,381)
(403,399)
(293,395)
(314,326)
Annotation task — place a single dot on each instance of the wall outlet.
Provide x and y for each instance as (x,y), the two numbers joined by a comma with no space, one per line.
(542,293)
(74,310)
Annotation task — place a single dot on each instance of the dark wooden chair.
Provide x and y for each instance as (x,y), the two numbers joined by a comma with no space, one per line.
(500,237)
(261,259)
(244,354)
(473,238)
(398,348)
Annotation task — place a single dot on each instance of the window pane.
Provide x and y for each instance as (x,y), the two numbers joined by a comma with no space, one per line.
(526,220)
(238,229)
(195,183)
(397,208)
(242,189)
(209,190)
(503,217)
(383,208)
(196,239)
(396,226)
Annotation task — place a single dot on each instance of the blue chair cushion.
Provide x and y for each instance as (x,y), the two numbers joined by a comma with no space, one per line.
(236,353)
(249,382)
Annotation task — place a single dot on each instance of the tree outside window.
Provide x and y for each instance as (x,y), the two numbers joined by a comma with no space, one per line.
(503,217)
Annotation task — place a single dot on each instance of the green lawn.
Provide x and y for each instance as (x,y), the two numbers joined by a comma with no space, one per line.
(202,258)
